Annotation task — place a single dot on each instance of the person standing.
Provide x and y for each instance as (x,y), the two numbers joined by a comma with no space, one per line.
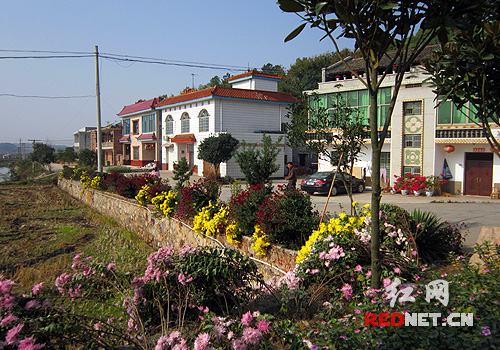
(291,177)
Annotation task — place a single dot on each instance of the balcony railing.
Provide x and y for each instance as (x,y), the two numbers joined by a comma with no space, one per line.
(460,133)
(107,145)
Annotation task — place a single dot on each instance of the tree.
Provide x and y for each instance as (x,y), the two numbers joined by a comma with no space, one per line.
(337,135)
(87,158)
(466,70)
(68,155)
(375,26)
(42,154)
(273,69)
(217,149)
(258,164)
(182,173)
(216,81)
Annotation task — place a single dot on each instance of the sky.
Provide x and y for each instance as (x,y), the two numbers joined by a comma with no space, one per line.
(246,34)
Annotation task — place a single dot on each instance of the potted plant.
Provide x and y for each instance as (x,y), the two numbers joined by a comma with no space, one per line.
(434,186)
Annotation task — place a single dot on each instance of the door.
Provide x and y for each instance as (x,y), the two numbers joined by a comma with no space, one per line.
(478,174)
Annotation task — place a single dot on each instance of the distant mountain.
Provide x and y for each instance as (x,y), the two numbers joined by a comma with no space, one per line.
(9,147)
(13,148)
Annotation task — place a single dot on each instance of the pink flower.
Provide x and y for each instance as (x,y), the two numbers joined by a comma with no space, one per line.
(263,326)
(347,290)
(386,281)
(247,318)
(251,336)
(37,288)
(8,320)
(368,274)
(10,338)
(29,344)
(201,341)
(486,331)
(358,268)
(397,270)
(417,278)
(314,271)
(238,344)
(111,267)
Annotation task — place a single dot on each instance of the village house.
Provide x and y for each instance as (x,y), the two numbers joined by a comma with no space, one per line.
(141,133)
(82,138)
(112,152)
(422,138)
(251,107)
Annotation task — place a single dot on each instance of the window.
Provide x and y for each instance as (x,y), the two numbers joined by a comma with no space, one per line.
(413,141)
(385,162)
(136,153)
(359,100)
(414,170)
(412,108)
(184,123)
(448,114)
(135,126)
(203,119)
(169,125)
(126,126)
(149,123)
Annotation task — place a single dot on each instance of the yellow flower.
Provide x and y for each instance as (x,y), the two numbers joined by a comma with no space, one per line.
(260,244)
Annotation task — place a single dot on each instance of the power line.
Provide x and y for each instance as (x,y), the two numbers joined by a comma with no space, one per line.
(47,97)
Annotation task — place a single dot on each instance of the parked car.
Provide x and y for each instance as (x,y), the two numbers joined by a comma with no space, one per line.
(321,181)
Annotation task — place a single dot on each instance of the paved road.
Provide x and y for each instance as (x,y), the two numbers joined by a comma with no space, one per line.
(475,212)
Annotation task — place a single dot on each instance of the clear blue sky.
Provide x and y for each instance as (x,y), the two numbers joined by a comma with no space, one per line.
(225,32)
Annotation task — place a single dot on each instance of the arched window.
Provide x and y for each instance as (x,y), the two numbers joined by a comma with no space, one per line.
(169,125)
(184,123)
(203,120)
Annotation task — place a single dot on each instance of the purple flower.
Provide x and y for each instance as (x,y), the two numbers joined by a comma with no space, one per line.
(486,331)
(30,304)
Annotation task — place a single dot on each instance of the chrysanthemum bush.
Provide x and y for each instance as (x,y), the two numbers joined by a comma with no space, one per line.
(471,292)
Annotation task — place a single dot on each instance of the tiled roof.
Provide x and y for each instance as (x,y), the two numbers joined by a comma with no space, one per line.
(254,73)
(358,64)
(224,92)
(147,137)
(125,138)
(183,138)
(139,106)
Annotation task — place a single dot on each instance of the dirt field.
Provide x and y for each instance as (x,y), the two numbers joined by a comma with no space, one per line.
(42,228)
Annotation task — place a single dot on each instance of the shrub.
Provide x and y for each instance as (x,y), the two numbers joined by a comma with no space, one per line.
(287,217)
(244,206)
(110,183)
(192,199)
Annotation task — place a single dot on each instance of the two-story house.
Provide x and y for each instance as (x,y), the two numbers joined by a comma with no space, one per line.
(251,107)
(82,138)
(141,133)
(112,150)
(422,135)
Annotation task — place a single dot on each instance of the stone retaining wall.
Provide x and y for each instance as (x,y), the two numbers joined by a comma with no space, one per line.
(163,231)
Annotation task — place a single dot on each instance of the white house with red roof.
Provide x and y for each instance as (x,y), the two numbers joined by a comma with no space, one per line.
(141,133)
(251,107)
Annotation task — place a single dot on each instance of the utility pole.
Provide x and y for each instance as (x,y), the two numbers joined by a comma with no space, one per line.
(33,163)
(98,103)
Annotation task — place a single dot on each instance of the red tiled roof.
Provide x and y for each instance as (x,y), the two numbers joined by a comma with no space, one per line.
(183,138)
(254,73)
(225,92)
(147,137)
(139,106)
(125,138)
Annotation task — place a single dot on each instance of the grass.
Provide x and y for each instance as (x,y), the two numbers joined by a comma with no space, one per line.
(42,228)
